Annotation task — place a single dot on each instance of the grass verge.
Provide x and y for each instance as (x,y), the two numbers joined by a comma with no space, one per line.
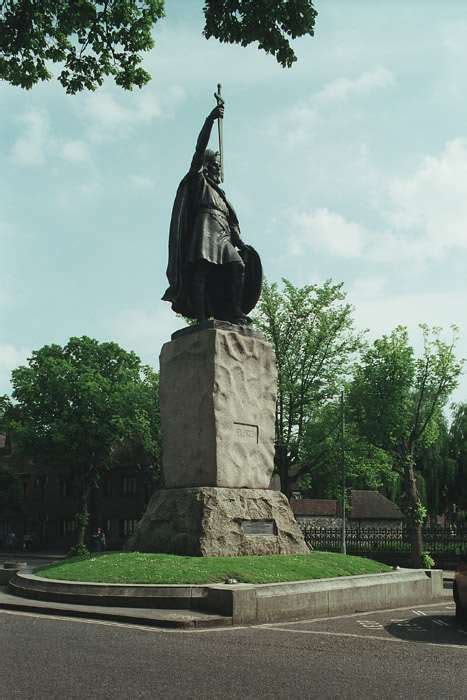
(136,567)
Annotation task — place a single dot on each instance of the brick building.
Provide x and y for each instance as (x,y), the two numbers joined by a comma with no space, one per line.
(43,505)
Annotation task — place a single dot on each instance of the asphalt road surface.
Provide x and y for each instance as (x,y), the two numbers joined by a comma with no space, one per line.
(418,652)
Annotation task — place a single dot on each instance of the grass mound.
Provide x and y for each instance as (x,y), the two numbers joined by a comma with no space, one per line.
(136,567)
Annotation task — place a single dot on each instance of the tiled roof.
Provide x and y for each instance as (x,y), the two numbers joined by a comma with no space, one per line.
(367,505)
(314,506)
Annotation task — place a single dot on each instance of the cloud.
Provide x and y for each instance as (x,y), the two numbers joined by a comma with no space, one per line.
(425,216)
(304,122)
(30,149)
(343,88)
(109,116)
(432,203)
(329,232)
(75,151)
(140,182)
(145,332)
(11,357)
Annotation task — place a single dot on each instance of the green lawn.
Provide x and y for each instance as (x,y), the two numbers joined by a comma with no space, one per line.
(135,567)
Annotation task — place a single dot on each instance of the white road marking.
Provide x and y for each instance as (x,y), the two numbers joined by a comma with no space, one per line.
(419,612)
(370,624)
(126,625)
(441,623)
(362,636)
(348,616)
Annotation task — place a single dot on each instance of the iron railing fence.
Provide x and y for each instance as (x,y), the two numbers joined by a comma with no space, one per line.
(451,540)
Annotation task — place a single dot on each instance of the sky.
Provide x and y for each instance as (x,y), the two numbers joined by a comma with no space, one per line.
(351,165)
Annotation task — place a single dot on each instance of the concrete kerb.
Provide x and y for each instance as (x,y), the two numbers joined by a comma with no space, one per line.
(111,594)
(248,603)
(8,569)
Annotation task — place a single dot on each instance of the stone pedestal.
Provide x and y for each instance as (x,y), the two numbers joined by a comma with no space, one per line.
(217,403)
(212,522)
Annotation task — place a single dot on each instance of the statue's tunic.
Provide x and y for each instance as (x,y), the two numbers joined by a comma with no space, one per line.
(214,219)
(211,236)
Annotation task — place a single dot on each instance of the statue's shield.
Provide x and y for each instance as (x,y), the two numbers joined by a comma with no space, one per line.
(253,278)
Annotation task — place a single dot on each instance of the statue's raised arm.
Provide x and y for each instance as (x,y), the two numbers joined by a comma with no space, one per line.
(211,273)
(203,138)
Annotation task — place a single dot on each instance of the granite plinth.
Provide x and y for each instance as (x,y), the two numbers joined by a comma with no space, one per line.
(207,521)
(217,404)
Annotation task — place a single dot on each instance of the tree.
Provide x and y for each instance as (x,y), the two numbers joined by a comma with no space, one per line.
(10,489)
(269,22)
(436,472)
(366,466)
(458,452)
(78,406)
(397,400)
(311,330)
(92,39)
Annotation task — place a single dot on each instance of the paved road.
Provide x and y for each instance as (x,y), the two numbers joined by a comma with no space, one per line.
(418,652)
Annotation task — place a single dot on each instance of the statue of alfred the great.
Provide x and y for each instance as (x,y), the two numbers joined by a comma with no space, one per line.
(211,272)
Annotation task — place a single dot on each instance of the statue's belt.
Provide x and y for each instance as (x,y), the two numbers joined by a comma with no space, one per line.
(215,210)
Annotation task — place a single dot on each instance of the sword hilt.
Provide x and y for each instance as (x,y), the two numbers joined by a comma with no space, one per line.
(218,96)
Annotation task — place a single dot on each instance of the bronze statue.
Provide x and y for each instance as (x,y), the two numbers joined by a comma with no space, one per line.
(211,272)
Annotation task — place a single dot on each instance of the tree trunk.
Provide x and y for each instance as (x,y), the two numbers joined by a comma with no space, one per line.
(412,512)
(83,516)
(283,467)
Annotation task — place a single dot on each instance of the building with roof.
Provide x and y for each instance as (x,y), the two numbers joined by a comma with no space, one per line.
(367,509)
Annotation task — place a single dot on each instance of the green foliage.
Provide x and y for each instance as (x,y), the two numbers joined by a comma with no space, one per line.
(457,445)
(416,512)
(311,330)
(11,494)
(79,407)
(427,560)
(91,39)
(137,567)
(366,466)
(398,398)
(269,22)
(79,551)
(437,473)
(80,403)
(397,401)
(82,519)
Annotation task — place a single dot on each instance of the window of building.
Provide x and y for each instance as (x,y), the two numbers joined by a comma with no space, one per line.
(127,527)
(129,485)
(41,484)
(69,525)
(65,487)
(104,486)
(5,528)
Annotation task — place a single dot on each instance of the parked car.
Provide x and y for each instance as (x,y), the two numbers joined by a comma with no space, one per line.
(460,589)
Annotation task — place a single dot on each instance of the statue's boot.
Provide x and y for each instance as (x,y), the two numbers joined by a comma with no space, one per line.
(198,294)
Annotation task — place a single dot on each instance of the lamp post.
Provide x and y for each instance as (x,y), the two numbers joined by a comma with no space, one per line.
(342,436)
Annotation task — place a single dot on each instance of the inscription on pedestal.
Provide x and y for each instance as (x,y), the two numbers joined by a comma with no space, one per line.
(259,527)
(245,432)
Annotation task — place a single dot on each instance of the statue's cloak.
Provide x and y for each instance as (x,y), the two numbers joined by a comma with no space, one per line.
(180,269)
